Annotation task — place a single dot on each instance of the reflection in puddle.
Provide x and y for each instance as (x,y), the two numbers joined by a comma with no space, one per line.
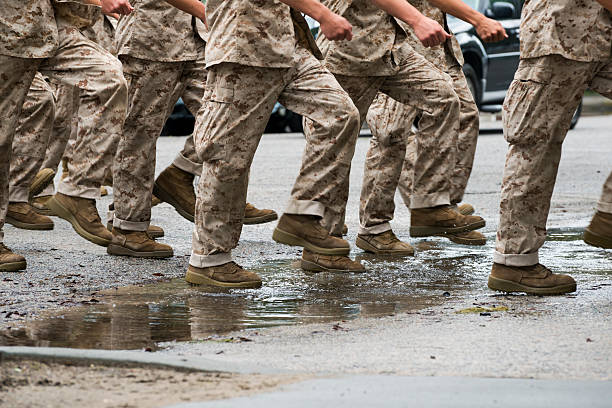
(143,316)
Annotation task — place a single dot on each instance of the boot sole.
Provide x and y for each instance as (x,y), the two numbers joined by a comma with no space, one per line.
(286,238)
(314,267)
(39,184)
(597,240)
(151,234)
(13,266)
(65,214)
(119,250)
(164,196)
(199,279)
(443,231)
(366,246)
(465,241)
(23,225)
(502,285)
(260,220)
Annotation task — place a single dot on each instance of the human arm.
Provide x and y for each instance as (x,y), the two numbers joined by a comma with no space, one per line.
(427,30)
(114,6)
(607,4)
(333,26)
(488,29)
(194,7)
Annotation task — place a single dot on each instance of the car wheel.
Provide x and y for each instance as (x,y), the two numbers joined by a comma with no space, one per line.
(473,82)
(576,116)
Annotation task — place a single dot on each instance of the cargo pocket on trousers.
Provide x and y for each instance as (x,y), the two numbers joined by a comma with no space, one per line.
(212,118)
(525,111)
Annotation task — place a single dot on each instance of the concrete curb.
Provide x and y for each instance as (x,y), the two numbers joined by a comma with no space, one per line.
(139,358)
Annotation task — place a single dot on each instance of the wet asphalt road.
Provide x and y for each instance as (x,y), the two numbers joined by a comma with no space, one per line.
(76,280)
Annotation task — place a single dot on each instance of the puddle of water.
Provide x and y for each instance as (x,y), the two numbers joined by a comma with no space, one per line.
(144,316)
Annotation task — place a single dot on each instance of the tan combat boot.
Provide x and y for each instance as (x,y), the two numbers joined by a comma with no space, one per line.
(440,221)
(39,205)
(466,209)
(344,229)
(599,231)
(385,243)
(83,215)
(468,238)
(155,201)
(307,232)
(154,231)
(535,279)
(229,275)
(175,187)
(21,215)
(253,215)
(313,262)
(9,261)
(43,178)
(137,244)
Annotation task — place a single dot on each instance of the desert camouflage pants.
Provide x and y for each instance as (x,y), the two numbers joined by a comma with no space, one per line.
(102,107)
(16,76)
(390,122)
(537,114)
(65,126)
(153,90)
(31,138)
(429,91)
(239,101)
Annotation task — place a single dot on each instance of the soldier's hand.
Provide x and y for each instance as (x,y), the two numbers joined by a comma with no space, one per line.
(336,28)
(116,6)
(490,30)
(430,33)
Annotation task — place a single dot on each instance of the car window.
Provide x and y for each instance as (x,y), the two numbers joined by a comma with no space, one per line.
(472,3)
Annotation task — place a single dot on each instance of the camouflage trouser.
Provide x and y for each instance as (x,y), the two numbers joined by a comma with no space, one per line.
(16,76)
(536,116)
(153,91)
(31,138)
(192,93)
(420,85)
(390,122)
(65,126)
(239,100)
(101,112)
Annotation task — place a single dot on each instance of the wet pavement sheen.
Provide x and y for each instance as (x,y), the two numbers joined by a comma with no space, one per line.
(442,273)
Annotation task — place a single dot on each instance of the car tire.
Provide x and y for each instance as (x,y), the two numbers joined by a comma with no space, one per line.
(576,116)
(473,82)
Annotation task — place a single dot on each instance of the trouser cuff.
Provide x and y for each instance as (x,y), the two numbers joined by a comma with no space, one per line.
(187,165)
(130,225)
(48,191)
(92,193)
(19,194)
(374,229)
(604,207)
(516,259)
(305,207)
(429,200)
(205,261)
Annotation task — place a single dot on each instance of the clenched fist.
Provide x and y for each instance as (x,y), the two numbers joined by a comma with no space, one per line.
(430,33)
(336,28)
(116,7)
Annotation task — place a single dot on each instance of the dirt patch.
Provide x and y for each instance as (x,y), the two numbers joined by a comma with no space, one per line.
(35,384)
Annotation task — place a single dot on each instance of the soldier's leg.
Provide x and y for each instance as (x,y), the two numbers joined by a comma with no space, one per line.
(29,146)
(389,122)
(599,231)
(32,137)
(537,115)
(17,75)
(102,111)
(150,88)
(228,128)
(430,92)
(321,189)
